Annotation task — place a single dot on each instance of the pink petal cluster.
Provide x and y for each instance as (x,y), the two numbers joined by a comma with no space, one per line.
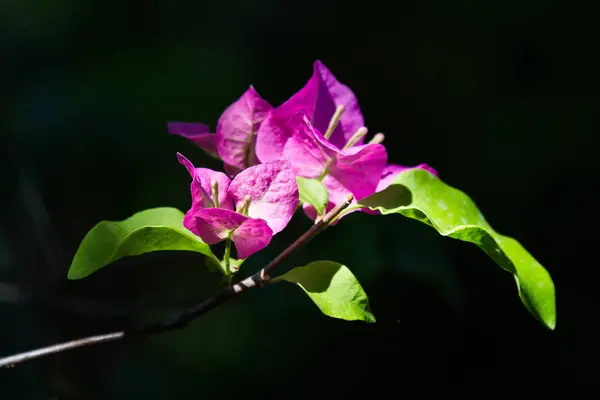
(253,139)
(318,100)
(271,194)
(235,135)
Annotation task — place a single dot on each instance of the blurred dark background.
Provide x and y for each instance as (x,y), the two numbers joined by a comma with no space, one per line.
(500,97)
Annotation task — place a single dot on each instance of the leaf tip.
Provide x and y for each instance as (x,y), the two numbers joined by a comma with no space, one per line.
(370,318)
(73,274)
(550,321)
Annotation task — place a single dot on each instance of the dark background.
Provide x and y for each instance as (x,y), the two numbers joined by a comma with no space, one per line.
(501,97)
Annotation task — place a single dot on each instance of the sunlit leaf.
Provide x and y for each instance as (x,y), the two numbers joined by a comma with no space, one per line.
(155,229)
(420,195)
(333,288)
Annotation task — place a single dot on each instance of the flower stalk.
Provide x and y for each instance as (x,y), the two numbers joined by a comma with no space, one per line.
(182,320)
(360,133)
(378,138)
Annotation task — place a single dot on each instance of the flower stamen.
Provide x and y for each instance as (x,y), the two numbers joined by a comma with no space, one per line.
(378,138)
(214,186)
(243,205)
(360,133)
(335,120)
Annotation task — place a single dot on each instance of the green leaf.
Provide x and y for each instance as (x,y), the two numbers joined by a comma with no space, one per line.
(333,288)
(155,229)
(314,193)
(418,194)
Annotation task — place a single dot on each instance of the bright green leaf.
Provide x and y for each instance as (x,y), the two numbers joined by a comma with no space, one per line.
(333,288)
(452,213)
(155,229)
(314,193)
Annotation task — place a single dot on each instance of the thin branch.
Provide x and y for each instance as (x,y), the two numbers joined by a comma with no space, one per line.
(182,320)
(309,234)
(59,348)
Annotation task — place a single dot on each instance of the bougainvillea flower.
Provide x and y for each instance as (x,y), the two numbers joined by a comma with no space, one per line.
(237,129)
(235,136)
(355,169)
(197,133)
(257,204)
(318,100)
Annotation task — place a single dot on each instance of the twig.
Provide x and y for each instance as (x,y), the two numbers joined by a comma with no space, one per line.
(182,320)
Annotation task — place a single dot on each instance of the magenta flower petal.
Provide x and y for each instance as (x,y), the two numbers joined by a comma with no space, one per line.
(197,133)
(391,171)
(318,99)
(356,170)
(200,198)
(307,150)
(361,171)
(216,224)
(188,130)
(337,191)
(276,129)
(332,93)
(272,136)
(205,176)
(428,168)
(251,236)
(237,128)
(231,171)
(202,191)
(273,192)
(248,235)
(202,178)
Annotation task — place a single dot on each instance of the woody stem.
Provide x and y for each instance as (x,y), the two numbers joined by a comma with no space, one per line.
(180,321)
